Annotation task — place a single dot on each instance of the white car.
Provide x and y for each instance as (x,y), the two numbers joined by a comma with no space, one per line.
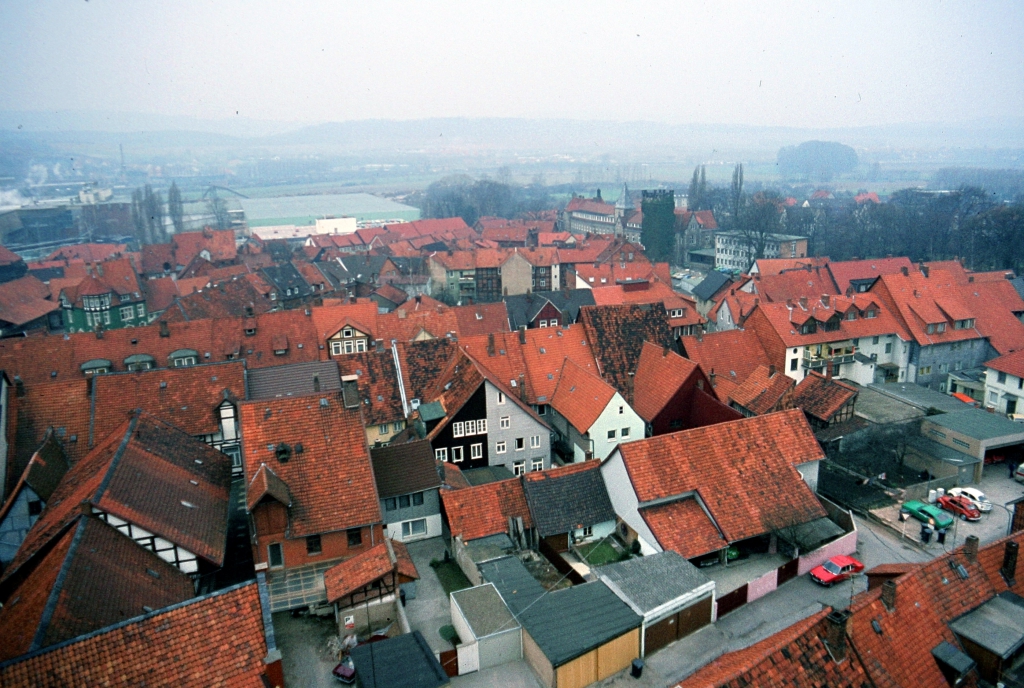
(976,497)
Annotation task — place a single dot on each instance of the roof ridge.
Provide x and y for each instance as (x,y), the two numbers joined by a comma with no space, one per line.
(58,585)
(112,466)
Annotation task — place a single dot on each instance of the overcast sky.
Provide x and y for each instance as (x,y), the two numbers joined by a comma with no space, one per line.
(765,63)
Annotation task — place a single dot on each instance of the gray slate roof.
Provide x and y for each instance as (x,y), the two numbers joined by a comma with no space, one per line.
(484,610)
(654,580)
(292,380)
(714,281)
(517,587)
(560,502)
(571,622)
(997,625)
(978,424)
(405,661)
(920,397)
(404,468)
(523,308)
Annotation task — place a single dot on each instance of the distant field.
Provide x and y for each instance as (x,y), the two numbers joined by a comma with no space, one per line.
(301,210)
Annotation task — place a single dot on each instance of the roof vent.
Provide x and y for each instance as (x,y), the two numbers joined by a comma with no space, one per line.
(188,505)
(299,448)
(283,452)
(163,385)
(323,403)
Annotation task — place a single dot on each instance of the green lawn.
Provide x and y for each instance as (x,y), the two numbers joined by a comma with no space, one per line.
(601,553)
(451,576)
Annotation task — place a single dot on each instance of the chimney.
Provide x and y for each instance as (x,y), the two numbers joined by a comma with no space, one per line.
(835,633)
(889,594)
(664,351)
(824,300)
(970,279)
(165,331)
(971,548)
(923,268)
(828,370)
(803,302)
(522,334)
(1009,568)
(905,271)
(19,386)
(490,343)
(771,370)
(711,375)
(99,331)
(522,386)
(419,298)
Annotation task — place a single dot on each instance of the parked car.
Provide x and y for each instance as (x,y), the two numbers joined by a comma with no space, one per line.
(961,506)
(1018,475)
(836,570)
(976,496)
(928,513)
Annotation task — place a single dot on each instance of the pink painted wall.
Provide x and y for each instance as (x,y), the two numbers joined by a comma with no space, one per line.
(847,544)
(759,587)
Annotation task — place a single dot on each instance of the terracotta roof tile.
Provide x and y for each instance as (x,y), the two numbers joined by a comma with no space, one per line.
(660,373)
(617,335)
(763,391)
(422,363)
(731,355)
(683,527)
(581,396)
(913,299)
(1012,364)
(377,382)
(787,320)
(219,243)
(104,578)
(161,648)
(719,460)
(266,483)
(476,512)
(996,306)
(822,398)
(358,571)
(24,300)
(481,318)
(333,444)
(197,300)
(775,266)
(404,565)
(589,205)
(792,284)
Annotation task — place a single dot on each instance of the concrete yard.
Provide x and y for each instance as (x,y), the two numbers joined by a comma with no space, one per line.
(303,644)
(431,608)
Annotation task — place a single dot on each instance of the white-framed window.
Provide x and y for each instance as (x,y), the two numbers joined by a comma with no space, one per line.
(458,429)
(335,348)
(347,333)
(505,422)
(456,454)
(624,432)
(520,443)
(518,468)
(476,451)
(588,531)
(441,454)
(127,313)
(414,527)
(537,465)
(543,323)
(499,447)
(611,435)
(275,555)
(501,397)
(141,310)
(106,317)
(534,441)
(622,409)
(542,409)
(383,429)
(481,426)
(470,427)
(183,361)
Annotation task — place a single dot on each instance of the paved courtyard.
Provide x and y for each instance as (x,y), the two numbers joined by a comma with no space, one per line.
(431,608)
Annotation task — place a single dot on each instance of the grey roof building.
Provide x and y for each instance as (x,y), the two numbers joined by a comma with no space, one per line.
(714,281)
(524,308)
(404,468)
(671,594)
(564,500)
(293,380)
(405,661)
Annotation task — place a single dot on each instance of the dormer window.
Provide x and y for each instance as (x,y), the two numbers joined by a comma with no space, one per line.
(869,313)
(184,357)
(963,324)
(809,327)
(347,333)
(677,312)
(852,315)
(941,327)
(96,366)
(96,302)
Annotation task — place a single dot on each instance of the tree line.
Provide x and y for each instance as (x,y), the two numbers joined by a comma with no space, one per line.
(468,198)
(150,214)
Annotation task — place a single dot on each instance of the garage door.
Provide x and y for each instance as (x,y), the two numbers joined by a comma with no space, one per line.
(679,625)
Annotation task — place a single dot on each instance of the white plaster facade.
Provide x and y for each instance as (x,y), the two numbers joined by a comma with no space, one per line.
(1004,392)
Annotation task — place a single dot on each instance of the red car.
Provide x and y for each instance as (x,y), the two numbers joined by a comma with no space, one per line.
(961,506)
(836,570)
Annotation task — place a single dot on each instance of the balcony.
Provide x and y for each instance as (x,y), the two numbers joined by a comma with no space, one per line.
(813,362)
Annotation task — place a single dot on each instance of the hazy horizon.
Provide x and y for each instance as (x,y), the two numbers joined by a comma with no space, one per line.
(274,69)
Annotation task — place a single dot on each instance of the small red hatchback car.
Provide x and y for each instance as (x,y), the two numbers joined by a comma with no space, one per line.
(961,506)
(836,570)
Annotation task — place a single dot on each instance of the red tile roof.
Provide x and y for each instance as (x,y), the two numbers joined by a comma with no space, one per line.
(94,577)
(481,318)
(744,470)
(845,271)
(775,266)
(404,565)
(145,472)
(995,306)
(589,205)
(377,382)
(918,301)
(705,218)
(1012,364)
(792,284)
(796,657)
(731,355)
(220,243)
(787,320)
(90,253)
(763,391)
(659,375)
(477,512)
(422,363)
(24,300)
(618,333)
(356,572)
(392,294)
(7,256)
(333,444)
(197,300)
(266,483)
(186,397)
(581,396)
(821,397)
(683,527)
(214,640)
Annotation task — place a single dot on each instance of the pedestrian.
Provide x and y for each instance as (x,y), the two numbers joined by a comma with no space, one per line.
(1013,468)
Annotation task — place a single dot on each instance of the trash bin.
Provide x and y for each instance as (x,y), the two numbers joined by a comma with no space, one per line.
(940,536)
(638,668)
(401,596)
(926,534)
